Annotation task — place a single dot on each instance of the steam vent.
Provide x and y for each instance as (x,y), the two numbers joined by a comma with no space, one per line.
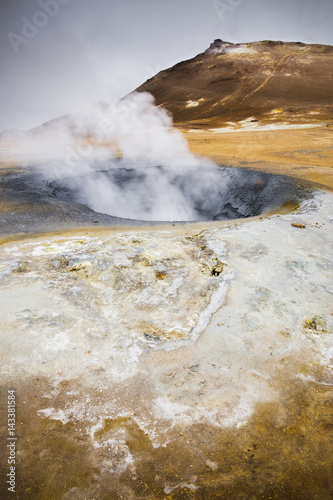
(166,287)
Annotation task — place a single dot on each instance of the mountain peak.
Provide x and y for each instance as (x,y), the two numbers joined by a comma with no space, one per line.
(218,44)
(263,82)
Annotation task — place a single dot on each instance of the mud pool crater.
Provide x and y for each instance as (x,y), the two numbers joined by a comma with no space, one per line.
(187,194)
(120,193)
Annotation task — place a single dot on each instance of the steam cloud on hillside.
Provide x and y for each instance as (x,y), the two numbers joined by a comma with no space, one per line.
(126,160)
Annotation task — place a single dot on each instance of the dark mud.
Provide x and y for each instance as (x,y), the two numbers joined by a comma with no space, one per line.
(31,204)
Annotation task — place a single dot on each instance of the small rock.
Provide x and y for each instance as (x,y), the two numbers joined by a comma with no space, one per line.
(212,465)
(317,324)
(299,225)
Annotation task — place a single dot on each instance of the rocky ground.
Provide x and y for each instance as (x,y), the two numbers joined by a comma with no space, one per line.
(180,362)
(188,360)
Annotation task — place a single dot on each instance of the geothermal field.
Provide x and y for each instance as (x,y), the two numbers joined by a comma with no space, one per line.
(166,286)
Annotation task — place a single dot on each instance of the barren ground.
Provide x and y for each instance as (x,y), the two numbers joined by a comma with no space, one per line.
(302,153)
(187,361)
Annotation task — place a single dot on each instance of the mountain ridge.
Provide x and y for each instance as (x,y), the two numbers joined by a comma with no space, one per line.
(233,85)
(268,80)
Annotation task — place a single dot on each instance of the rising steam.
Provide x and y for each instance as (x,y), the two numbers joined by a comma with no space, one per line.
(126,160)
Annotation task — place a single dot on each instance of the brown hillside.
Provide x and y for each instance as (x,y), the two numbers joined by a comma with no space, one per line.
(267,81)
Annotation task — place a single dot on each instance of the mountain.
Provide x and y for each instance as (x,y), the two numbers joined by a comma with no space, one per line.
(279,93)
(231,85)
(266,81)
(80,123)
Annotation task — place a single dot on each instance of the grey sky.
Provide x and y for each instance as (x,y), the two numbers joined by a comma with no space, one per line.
(89,50)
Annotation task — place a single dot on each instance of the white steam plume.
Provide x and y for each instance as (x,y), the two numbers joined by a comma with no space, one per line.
(126,160)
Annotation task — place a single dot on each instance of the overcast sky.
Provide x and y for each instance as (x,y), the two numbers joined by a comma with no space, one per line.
(58,56)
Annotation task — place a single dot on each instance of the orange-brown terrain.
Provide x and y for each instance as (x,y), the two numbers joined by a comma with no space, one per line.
(264,105)
(269,81)
(179,361)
